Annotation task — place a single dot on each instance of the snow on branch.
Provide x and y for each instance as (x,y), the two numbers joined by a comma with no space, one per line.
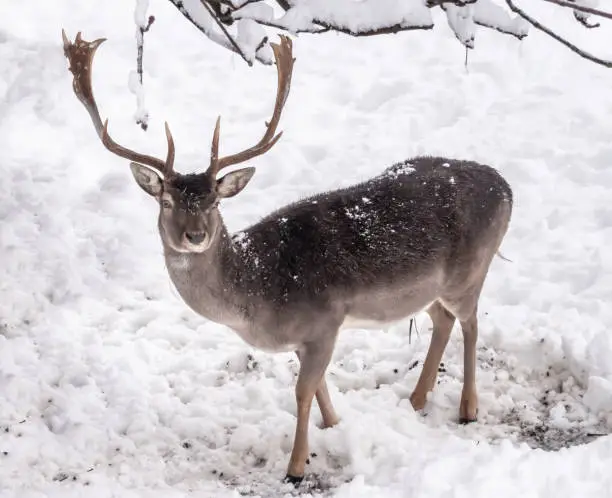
(582,6)
(461,21)
(240,25)
(216,19)
(584,17)
(135,81)
(204,15)
(364,18)
(493,16)
(536,24)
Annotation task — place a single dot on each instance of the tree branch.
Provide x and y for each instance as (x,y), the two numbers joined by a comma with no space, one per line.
(440,3)
(499,29)
(299,19)
(143,25)
(385,30)
(235,45)
(278,25)
(140,46)
(283,4)
(325,27)
(224,42)
(583,19)
(552,34)
(581,8)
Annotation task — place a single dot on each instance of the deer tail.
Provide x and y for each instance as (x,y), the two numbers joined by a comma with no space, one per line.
(504,257)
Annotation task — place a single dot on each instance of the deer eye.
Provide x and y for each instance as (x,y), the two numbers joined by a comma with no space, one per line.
(166,204)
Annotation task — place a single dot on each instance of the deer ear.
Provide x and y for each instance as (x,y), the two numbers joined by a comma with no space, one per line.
(234,182)
(148,179)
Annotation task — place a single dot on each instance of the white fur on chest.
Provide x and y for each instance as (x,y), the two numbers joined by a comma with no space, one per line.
(179,263)
(351,322)
(263,341)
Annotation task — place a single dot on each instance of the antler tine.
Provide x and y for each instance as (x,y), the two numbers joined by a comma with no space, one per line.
(283,54)
(170,155)
(80,55)
(214,148)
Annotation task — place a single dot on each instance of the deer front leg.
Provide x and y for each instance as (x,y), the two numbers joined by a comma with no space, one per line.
(443,322)
(314,358)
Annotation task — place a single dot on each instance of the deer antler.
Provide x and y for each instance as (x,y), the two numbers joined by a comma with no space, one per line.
(80,54)
(284,66)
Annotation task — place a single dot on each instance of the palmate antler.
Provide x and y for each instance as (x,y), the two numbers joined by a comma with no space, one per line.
(80,54)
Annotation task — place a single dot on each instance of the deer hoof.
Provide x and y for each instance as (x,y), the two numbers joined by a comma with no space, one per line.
(465,420)
(418,400)
(295,480)
(328,424)
(468,409)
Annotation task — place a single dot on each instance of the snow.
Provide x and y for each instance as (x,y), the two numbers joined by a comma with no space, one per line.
(400,169)
(111,386)
(140,13)
(361,15)
(461,21)
(248,43)
(364,16)
(249,36)
(141,115)
(487,13)
(583,16)
(135,81)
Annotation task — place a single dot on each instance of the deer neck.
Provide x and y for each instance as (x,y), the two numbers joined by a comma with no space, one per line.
(204,281)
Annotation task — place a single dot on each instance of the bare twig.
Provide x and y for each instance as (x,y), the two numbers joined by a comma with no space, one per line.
(440,3)
(140,45)
(581,8)
(237,48)
(552,34)
(235,5)
(262,43)
(246,2)
(142,120)
(224,43)
(283,4)
(583,19)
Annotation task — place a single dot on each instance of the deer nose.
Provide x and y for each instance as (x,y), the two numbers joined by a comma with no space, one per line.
(195,237)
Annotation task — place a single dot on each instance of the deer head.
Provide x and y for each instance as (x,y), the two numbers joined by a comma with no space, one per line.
(189,219)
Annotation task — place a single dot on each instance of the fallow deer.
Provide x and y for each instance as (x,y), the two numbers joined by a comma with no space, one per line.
(419,236)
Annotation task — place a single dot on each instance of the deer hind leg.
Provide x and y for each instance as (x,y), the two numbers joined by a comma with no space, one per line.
(314,358)
(443,322)
(468,408)
(466,310)
(330,418)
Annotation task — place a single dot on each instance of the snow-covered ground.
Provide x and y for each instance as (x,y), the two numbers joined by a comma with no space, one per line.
(110,386)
